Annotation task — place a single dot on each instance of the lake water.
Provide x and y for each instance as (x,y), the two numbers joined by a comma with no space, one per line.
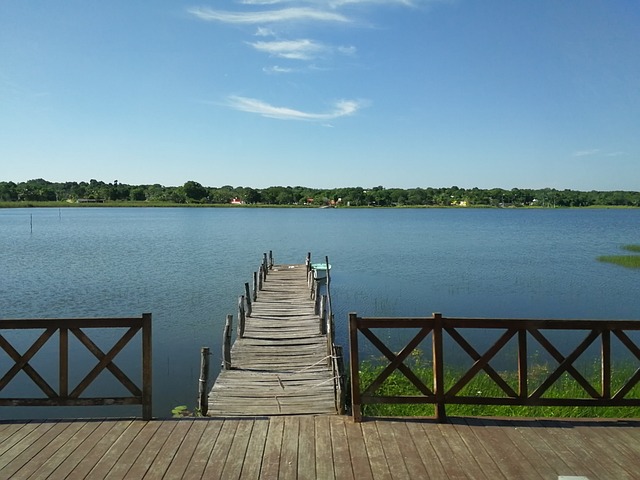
(187,267)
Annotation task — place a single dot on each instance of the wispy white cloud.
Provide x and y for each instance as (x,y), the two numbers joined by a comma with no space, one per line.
(264,32)
(342,108)
(617,154)
(267,16)
(586,153)
(277,69)
(303,49)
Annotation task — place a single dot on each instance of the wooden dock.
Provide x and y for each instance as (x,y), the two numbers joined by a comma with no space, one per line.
(280,365)
(324,447)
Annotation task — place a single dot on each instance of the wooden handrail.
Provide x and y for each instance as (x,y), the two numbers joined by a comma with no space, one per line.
(78,327)
(521,330)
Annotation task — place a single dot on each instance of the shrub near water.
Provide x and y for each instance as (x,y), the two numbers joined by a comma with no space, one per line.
(483,386)
(629,261)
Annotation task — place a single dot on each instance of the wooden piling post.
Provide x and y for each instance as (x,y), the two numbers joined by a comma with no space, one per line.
(260,276)
(241,316)
(226,344)
(265,263)
(323,314)
(247,297)
(255,286)
(203,399)
(340,390)
(354,363)
(270,258)
(308,261)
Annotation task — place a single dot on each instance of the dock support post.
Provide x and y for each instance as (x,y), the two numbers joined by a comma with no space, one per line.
(260,277)
(354,364)
(265,263)
(270,259)
(241,316)
(255,286)
(226,344)
(339,367)
(204,377)
(247,297)
(323,314)
(308,261)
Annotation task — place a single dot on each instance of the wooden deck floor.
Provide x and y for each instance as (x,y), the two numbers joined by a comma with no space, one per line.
(280,365)
(324,447)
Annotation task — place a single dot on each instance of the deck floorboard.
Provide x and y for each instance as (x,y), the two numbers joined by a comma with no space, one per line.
(320,446)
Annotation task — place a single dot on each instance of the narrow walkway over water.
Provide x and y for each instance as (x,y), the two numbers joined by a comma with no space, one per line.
(280,366)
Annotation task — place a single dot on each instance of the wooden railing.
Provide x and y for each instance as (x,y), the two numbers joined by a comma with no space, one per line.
(66,394)
(436,392)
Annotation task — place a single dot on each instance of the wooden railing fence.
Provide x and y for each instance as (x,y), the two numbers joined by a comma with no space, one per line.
(66,394)
(435,391)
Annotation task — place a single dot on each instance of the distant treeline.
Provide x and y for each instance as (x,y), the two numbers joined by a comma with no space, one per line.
(191,192)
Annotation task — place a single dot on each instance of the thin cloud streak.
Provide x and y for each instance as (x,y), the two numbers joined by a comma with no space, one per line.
(272,16)
(302,49)
(341,108)
(586,153)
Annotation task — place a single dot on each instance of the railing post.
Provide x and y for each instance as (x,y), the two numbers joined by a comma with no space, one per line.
(606,363)
(147,374)
(247,297)
(64,362)
(438,368)
(226,344)
(523,368)
(354,365)
(203,399)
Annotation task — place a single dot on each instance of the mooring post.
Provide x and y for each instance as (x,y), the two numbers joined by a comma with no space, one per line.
(255,286)
(241,316)
(354,365)
(340,380)
(247,297)
(203,399)
(226,344)
(270,258)
(308,261)
(265,263)
(323,315)
(260,275)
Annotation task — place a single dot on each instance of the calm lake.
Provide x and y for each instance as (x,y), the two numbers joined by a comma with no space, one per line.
(187,267)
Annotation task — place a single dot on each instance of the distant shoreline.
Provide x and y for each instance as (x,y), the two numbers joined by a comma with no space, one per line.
(144,204)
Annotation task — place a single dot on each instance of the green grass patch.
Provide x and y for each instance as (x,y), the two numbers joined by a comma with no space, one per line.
(628,261)
(483,386)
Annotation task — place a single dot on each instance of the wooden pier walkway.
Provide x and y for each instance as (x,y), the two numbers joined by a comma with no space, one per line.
(280,365)
(324,447)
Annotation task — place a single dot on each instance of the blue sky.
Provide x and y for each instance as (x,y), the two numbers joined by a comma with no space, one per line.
(322,93)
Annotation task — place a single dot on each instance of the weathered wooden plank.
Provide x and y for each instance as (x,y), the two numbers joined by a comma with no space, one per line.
(150,451)
(107,451)
(116,467)
(24,448)
(341,458)
(392,450)
(273,445)
(82,459)
(375,452)
(255,450)
(358,451)
(426,451)
(289,452)
(185,448)
(324,450)
(203,450)
(238,451)
(307,449)
(219,456)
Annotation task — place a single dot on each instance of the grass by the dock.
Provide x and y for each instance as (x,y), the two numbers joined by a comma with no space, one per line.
(483,386)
